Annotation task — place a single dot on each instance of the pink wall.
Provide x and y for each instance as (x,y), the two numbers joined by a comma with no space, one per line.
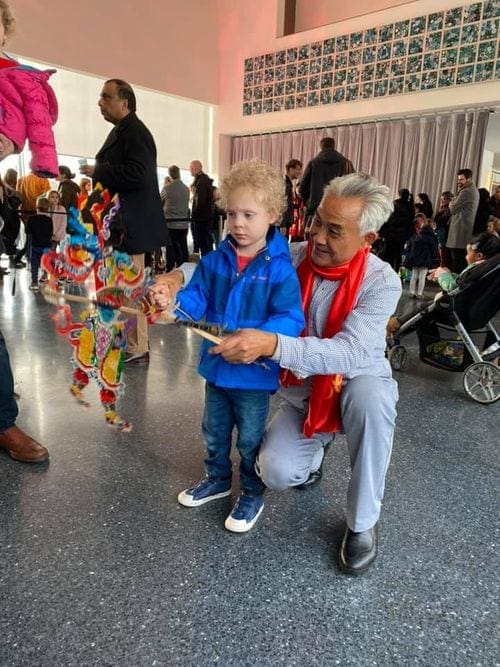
(310,15)
(165,45)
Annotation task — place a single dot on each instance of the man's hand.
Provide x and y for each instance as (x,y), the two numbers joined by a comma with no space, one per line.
(246,345)
(87,170)
(163,291)
(6,146)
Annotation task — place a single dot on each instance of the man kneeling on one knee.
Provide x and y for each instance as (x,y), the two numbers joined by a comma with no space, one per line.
(335,376)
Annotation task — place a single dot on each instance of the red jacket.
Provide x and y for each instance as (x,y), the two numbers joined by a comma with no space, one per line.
(28,110)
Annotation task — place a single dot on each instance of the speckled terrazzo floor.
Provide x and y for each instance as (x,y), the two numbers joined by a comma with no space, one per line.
(101,566)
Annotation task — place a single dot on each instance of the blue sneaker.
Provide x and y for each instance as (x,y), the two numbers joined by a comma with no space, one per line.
(204,491)
(245,513)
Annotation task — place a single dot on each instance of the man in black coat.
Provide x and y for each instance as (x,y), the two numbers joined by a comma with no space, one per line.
(293,170)
(202,209)
(126,164)
(327,164)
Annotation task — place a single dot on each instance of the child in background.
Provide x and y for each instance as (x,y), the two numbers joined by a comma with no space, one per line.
(423,254)
(248,281)
(59,218)
(39,228)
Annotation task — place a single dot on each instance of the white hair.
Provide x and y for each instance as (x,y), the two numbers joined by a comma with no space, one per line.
(377,198)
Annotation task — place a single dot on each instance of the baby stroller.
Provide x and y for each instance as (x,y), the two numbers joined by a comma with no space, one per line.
(467,310)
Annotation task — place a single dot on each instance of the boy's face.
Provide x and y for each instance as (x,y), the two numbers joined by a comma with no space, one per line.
(248,221)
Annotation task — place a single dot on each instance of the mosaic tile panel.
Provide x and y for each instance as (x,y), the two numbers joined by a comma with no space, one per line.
(454,47)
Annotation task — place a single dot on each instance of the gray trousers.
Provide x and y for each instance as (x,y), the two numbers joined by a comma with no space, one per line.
(368,408)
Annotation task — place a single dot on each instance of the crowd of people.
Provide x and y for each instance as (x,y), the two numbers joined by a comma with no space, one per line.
(306,318)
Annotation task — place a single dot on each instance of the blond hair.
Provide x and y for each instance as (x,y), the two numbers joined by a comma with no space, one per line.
(7,19)
(265,182)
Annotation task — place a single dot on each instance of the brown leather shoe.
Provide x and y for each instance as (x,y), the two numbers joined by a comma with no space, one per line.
(21,447)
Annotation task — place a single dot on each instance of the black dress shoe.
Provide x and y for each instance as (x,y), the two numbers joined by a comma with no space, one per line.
(358,550)
(315,477)
(131,358)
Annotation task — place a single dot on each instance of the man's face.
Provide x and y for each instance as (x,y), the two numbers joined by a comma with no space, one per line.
(195,168)
(112,107)
(462,181)
(334,232)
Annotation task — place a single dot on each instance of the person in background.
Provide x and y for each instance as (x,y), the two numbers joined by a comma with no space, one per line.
(59,217)
(495,202)
(175,198)
(293,170)
(202,208)
(10,178)
(86,186)
(442,221)
(397,230)
(68,189)
(463,209)
(39,229)
(483,213)
(425,205)
(422,255)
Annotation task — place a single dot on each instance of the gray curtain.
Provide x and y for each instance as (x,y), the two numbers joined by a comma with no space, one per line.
(422,154)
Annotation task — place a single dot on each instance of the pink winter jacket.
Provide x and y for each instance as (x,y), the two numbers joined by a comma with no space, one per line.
(28,110)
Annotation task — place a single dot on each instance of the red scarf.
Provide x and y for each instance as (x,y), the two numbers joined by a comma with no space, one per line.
(324,402)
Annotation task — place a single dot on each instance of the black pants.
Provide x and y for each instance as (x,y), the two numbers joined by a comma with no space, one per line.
(179,245)
(202,236)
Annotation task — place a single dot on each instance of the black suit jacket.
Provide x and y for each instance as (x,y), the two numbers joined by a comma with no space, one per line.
(126,164)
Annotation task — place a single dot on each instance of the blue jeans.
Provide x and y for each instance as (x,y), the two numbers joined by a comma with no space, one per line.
(225,409)
(8,405)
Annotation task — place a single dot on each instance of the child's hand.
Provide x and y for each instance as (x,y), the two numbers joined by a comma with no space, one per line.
(164,290)
(6,146)
(434,275)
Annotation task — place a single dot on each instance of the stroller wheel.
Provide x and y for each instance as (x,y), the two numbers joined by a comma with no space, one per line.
(398,356)
(482,382)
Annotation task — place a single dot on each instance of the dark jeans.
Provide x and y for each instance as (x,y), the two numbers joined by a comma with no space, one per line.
(224,409)
(8,405)
(36,256)
(179,244)
(202,236)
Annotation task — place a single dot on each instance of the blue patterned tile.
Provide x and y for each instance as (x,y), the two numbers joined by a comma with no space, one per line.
(342,43)
(367,73)
(341,60)
(352,75)
(291,87)
(316,49)
(267,106)
(291,71)
(304,52)
(415,45)
(312,100)
(467,54)
(327,80)
(398,67)
(248,79)
(497,70)
(279,88)
(401,29)
(328,46)
(382,70)
(433,41)
(451,37)
(491,9)
(470,33)
(431,60)
(249,65)
(257,93)
(355,39)
(278,104)
(301,101)
(280,57)
(381,88)
(326,97)
(400,48)
(384,52)
(302,85)
(396,85)
(453,17)
(258,77)
(268,90)
(385,33)
(315,66)
(247,94)
(465,74)
(314,82)
(447,77)
(303,68)
(279,73)
(486,51)
(449,57)
(247,109)
(369,54)
(412,83)
(339,77)
(257,107)
(269,60)
(435,21)
(338,95)
(414,64)
(366,90)
(484,71)
(417,25)
(355,57)
(370,36)
(429,80)
(291,55)
(269,75)
(352,93)
(258,62)
(327,64)
(290,102)
(489,29)
(472,13)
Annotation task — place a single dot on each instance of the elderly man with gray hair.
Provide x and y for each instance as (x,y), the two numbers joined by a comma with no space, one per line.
(335,376)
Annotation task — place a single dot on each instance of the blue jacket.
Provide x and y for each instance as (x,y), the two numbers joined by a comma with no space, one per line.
(423,250)
(265,296)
